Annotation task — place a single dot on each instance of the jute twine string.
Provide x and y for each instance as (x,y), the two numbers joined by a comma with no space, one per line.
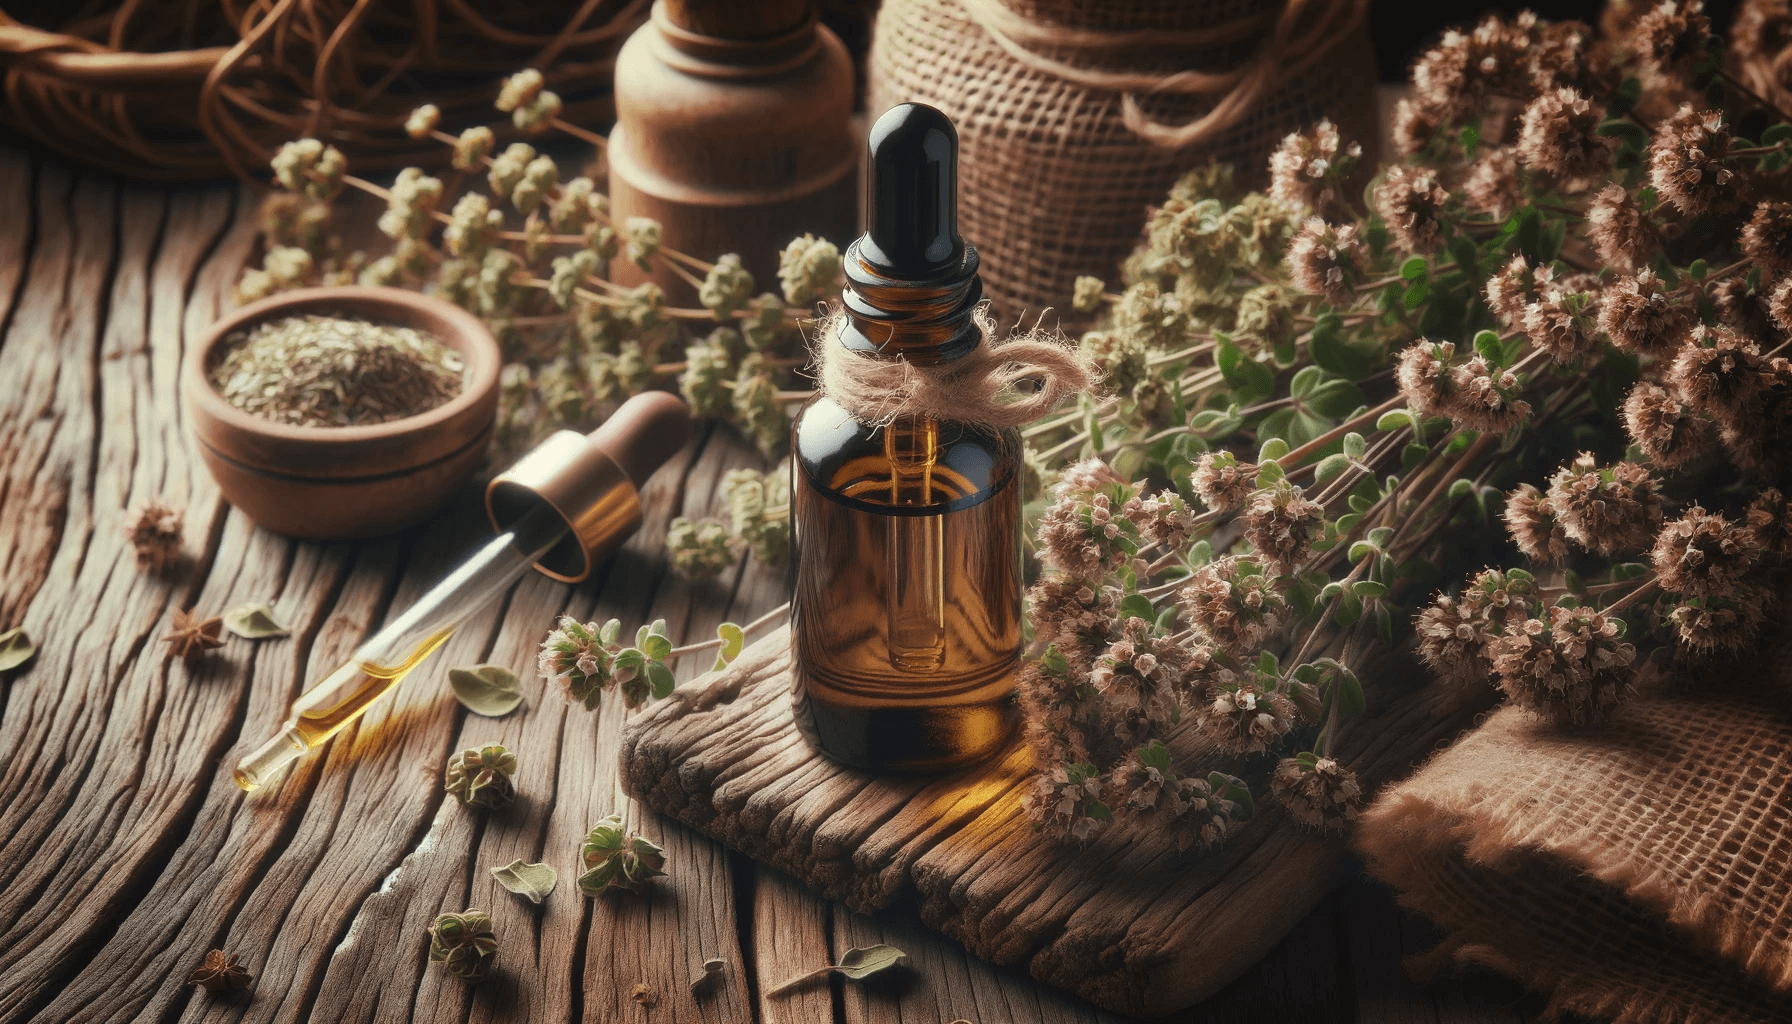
(1002,383)
(1299,36)
(190,88)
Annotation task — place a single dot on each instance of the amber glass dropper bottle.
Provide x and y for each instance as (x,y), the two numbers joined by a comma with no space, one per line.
(907,587)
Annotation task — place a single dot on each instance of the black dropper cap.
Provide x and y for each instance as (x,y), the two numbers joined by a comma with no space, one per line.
(912,282)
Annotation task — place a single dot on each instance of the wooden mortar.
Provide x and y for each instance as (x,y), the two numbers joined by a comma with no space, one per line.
(346,482)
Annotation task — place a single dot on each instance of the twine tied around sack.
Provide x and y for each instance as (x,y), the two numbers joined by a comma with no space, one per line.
(1300,35)
(987,387)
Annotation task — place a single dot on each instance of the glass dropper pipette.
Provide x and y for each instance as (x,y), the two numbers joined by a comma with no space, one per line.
(563,508)
(389,655)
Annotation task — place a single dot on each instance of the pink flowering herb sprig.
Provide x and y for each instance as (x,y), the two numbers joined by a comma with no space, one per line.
(1139,628)
(1550,337)
(589,659)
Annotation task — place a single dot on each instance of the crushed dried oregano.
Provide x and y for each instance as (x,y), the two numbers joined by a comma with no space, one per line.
(322,371)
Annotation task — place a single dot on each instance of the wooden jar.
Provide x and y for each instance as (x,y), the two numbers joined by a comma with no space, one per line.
(733,131)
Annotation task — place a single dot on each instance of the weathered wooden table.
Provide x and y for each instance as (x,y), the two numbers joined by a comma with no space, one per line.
(126,851)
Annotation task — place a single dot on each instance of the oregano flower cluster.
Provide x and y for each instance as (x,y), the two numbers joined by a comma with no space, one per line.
(1550,336)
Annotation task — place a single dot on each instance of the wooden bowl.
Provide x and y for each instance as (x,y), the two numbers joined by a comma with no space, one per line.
(346,482)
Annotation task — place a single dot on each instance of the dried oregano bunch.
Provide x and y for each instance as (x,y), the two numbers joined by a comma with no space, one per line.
(758,521)
(617,859)
(513,239)
(481,776)
(463,944)
(1564,307)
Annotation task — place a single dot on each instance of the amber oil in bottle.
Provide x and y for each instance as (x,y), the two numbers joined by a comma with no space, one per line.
(906,577)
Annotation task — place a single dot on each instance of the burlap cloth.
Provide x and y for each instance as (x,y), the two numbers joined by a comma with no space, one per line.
(1641,872)
(1053,183)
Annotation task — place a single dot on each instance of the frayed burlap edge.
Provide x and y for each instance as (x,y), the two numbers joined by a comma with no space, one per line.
(1605,923)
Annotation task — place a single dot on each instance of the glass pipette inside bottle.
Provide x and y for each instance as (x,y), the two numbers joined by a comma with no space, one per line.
(389,655)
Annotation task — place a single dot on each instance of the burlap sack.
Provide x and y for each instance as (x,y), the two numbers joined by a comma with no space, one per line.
(1053,180)
(1642,871)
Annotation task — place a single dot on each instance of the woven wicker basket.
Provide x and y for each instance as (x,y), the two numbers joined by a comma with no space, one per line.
(197,88)
(1054,180)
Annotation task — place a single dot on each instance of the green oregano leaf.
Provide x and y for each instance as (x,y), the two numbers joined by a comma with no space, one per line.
(657,647)
(1137,606)
(1330,466)
(489,690)
(861,963)
(254,622)
(858,963)
(732,639)
(1394,419)
(661,677)
(531,881)
(1487,345)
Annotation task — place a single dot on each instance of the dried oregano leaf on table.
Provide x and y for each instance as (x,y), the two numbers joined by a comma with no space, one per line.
(155,531)
(616,859)
(15,649)
(855,964)
(861,963)
(705,979)
(533,882)
(489,690)
(480,776)
(254,622)
(463,944)
(219,973)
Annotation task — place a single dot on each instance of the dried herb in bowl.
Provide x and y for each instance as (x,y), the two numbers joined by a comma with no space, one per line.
(321,371)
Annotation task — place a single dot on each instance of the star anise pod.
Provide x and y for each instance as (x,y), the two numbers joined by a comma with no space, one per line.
(219,973)
(193,636)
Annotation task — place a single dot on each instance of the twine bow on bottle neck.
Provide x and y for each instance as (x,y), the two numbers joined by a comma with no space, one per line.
(1302,33)
(983,387)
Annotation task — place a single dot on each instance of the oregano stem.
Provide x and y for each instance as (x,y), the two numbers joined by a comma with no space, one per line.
(746,630)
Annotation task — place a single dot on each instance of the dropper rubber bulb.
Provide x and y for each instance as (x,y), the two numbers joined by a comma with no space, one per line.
(911,280)
(911,219)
